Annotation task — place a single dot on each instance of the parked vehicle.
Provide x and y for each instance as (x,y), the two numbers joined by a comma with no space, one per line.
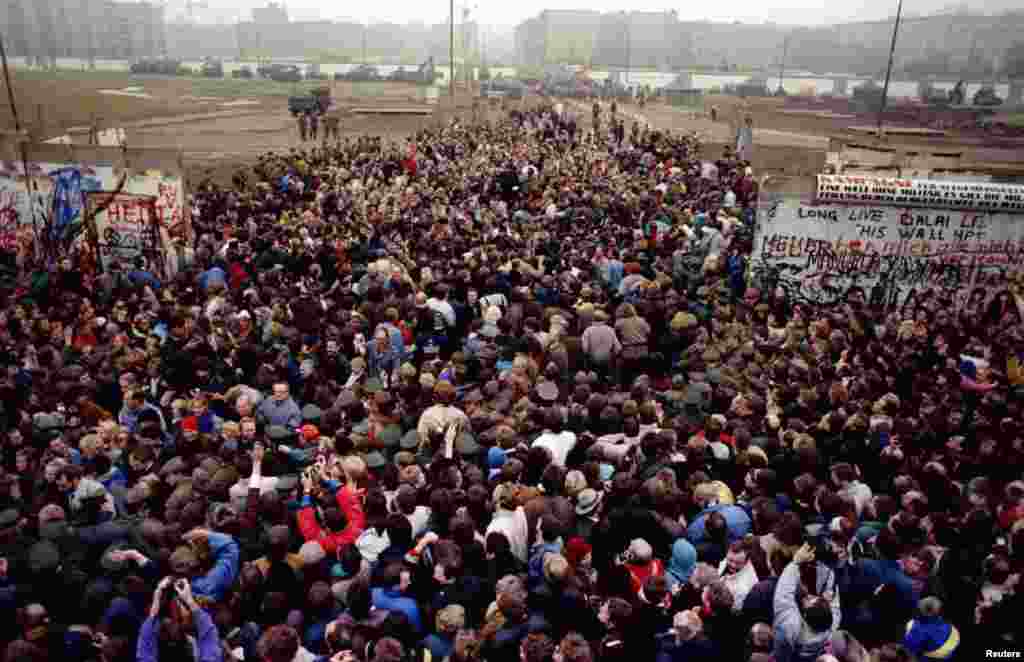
(160,66)
(282,73)
(212,69)
(752,87)
(313,72)
(987,96)
(503,87)
(317,101)
(424,74)
(362,73)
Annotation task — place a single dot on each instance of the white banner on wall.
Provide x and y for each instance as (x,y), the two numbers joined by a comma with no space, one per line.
(824,253)
(943,194)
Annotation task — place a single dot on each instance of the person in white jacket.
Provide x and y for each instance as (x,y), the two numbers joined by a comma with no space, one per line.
(510,521)
(738,573)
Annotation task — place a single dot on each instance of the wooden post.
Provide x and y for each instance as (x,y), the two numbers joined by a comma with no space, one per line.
(42,243)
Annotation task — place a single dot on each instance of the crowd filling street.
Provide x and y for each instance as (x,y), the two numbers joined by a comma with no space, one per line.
(502,392)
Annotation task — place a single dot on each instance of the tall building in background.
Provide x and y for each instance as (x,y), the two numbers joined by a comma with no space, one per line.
(613,39)
(558,35)
(273,14)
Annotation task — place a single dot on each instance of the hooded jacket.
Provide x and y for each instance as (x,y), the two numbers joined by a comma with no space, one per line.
(682,563)
(794,639)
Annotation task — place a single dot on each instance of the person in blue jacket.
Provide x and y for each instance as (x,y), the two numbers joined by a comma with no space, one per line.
(212,585)
(205,643)
(737,520)
(391,595)
(930,636)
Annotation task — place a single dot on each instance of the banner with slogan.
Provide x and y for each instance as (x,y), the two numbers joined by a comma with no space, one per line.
(825,253)
(972,196)
(126,227)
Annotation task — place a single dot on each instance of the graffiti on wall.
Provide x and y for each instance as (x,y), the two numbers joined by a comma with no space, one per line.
(59,193)
(51,190)
(889,255)
(125,226)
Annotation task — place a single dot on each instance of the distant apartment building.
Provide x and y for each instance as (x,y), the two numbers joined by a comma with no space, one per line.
(191,41)
(613,39)
(272,34)
(273,14)
(564,35)
(44,30)
(642,39)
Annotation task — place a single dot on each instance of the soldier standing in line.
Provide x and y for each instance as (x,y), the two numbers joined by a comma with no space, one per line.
(330,127)
(301,119)
(314,121)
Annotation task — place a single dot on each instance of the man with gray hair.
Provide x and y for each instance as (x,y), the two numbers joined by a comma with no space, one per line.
(685,642)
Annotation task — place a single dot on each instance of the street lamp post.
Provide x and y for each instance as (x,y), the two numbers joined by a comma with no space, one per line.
(628,46)
(451,51)
(782,64)
(888,68)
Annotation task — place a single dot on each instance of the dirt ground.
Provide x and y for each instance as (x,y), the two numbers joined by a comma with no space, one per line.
(220,124)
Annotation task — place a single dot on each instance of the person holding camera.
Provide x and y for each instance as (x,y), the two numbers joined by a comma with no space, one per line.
(806,608)
(178,628)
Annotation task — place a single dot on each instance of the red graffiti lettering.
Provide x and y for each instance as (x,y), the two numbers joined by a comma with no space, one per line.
(8,209)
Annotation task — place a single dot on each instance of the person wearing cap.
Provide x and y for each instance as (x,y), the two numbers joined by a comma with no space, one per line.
(588,512)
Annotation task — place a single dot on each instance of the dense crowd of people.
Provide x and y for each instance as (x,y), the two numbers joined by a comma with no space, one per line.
(502,392)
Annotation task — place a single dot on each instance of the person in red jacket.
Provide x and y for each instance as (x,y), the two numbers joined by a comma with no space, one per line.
(640,563)
(342,524)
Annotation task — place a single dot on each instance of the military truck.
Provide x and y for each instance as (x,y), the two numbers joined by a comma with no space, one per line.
(212,69)
(987,96)
(157,66)
(423,75)
(752,87)
(362,73)
(932,96)
(282,73)
(313,72)
(868,96)
(503,87)
(242,72)
(317,101)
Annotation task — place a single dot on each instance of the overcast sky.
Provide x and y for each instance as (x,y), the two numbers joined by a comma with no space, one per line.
(504,13)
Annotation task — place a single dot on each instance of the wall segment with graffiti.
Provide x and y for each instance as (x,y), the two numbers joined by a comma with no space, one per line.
(58,193)
(893,253)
